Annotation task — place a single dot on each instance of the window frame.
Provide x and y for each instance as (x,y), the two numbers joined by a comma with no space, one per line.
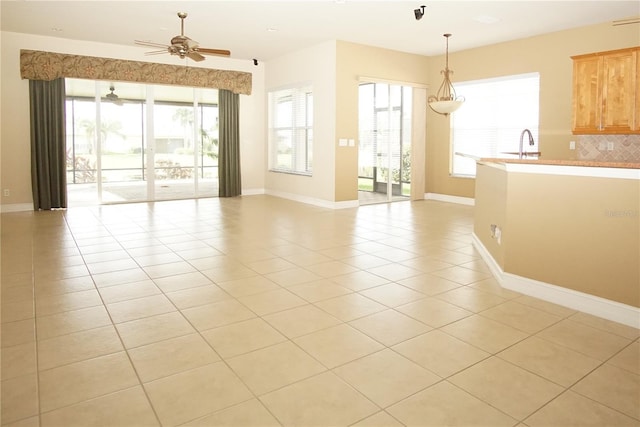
(299,125)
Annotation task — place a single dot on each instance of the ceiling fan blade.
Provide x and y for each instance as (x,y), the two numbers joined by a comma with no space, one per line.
(626,21)
(195,56)
(157,52)
(112,98)
(213,51)
(151,44)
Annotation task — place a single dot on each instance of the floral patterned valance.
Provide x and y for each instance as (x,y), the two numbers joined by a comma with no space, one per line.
(38,65)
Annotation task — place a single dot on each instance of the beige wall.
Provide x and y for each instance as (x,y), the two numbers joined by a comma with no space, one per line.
(334,69)
(577,232)
(15,135)
(583,235)
(316,66)
(353,62)
(549,55)
(491,208)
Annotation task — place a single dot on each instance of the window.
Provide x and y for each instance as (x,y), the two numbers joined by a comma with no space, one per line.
(490,122)
(291,130)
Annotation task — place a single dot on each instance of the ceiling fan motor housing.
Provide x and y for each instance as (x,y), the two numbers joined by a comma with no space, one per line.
(183,46)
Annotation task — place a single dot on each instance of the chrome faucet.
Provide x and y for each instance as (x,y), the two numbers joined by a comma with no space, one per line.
(531,142)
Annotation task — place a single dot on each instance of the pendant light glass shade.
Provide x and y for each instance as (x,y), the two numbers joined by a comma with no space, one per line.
(445,101)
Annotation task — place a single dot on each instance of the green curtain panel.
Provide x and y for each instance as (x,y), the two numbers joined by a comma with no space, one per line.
(229,145)
(48,154)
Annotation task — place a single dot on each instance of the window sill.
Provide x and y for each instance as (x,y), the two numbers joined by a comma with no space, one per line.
(288,172)
(453,175)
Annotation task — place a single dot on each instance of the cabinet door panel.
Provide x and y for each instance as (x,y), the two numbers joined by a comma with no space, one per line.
(636,105)
(587,92)
(618,94)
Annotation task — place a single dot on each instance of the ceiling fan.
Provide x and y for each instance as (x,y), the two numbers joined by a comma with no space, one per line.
(112,97)
(183,46)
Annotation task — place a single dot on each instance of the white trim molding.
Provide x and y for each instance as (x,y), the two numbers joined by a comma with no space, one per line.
(252,191)
(315,202)
(595,172)
(16,207)
(451,199)
(591,304)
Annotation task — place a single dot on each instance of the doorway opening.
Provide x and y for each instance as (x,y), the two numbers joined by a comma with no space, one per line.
(384,148)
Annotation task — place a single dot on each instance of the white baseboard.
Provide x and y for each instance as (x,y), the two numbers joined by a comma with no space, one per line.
(253,192)
(494,268)
(346,204)
(451,199)
(587,303)
(16,207)
(315,202)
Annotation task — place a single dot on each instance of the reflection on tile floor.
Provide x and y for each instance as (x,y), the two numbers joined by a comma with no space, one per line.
(258,311)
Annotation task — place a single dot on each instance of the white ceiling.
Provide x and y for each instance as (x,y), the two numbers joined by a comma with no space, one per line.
(267,29)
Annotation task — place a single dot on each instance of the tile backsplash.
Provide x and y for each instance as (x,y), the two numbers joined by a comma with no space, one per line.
(626,148)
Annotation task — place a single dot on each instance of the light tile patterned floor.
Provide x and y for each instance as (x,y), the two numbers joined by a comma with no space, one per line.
(258,311)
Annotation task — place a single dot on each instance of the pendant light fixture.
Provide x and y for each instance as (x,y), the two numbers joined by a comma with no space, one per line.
(445,101)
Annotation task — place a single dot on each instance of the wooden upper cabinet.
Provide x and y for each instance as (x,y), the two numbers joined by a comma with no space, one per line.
(637,104)
(587,94)
(619,91)
(606,92)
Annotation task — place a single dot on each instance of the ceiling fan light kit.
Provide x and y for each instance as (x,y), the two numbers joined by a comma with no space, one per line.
(183,46)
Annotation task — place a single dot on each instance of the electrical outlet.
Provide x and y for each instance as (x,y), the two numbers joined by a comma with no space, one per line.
(572,145)
(496,233)
(7,193)
(610,146)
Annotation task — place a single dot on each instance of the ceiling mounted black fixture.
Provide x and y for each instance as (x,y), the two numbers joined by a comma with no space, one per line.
(419,13)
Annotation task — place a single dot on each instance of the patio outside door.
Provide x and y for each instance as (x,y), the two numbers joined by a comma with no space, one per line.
(384,156)
(149,143)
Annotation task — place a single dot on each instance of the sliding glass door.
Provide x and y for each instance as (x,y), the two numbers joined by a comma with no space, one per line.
(129,142)
(384,156)
(120,143)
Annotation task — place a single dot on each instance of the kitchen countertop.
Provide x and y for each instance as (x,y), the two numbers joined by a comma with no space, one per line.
(583,163)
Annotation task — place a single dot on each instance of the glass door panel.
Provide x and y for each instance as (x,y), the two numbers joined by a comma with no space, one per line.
(208,136)
(174,151)
(406,125)
(82,176)
(121,141)
(367,156)
(394,153)
(383,141)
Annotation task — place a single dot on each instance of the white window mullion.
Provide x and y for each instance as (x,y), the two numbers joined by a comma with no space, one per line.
(151,146)
(197,140)
(98,136)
